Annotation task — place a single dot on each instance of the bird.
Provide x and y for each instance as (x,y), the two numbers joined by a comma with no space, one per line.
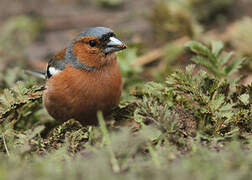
(84,77)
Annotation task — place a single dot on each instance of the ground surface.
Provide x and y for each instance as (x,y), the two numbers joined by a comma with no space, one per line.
(174,121)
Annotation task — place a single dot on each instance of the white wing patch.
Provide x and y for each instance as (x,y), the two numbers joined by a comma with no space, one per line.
(53,70)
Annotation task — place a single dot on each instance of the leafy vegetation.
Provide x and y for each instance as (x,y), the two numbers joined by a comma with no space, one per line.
(172,19)
(173,129)
(186,106)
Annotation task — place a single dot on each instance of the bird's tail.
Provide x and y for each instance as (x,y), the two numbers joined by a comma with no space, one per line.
(39,74)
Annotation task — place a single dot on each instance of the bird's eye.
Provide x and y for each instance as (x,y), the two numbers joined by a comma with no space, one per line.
(92,43)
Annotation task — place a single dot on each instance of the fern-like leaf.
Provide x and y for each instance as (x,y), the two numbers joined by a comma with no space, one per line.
(214,59)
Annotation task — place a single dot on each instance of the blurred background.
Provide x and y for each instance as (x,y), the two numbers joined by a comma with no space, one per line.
(154,30)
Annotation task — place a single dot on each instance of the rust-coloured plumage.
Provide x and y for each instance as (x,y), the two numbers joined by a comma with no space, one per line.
(84,77)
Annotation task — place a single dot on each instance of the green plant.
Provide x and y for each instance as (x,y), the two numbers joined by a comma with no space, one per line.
(174,129)
(20,103)
(17,32)
(216,107)
(211,11)
(110,3)
(130,74)
(220,63)
(172,19)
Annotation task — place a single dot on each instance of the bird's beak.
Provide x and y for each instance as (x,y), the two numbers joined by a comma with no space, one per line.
(114,45)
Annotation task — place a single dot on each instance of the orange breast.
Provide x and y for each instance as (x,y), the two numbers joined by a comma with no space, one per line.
(79,94)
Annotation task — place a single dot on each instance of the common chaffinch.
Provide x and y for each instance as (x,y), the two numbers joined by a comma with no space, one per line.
(84,77)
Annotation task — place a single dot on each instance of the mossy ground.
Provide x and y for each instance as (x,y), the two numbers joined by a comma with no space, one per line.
(185,111)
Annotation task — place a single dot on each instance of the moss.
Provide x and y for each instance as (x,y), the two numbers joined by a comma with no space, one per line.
(70,132)
(211,11)
(173,128)
(173,19)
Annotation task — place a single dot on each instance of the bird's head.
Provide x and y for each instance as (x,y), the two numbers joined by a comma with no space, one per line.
(94,47)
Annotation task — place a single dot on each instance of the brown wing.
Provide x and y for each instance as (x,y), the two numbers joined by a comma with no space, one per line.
(56,64)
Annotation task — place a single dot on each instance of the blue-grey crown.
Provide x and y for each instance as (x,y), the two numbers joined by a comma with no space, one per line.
(98,32)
